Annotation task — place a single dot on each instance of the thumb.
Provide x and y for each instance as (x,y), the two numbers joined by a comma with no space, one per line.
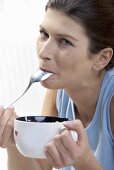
(76,125)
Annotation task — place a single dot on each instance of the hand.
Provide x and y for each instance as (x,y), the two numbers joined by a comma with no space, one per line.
(64,151)
(6,127)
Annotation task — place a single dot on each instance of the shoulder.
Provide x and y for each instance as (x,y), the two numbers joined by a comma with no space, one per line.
(107,96)
(109,75)
(49,103)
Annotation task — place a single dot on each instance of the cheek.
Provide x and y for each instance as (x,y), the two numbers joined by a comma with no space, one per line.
(63,60)
(38,46)
(67,64)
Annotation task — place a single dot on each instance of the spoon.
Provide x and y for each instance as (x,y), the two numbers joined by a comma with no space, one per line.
(37,76)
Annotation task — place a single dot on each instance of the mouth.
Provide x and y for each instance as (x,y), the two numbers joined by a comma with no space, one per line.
(45,70)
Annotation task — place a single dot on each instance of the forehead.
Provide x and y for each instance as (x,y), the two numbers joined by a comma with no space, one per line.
(57,22)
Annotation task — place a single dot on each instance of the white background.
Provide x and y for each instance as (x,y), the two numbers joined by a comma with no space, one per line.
(19,25)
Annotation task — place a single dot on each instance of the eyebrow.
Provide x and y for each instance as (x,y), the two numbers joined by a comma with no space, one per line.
(60,35)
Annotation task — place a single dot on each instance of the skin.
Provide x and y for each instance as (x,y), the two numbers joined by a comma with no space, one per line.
(75,69)
(63,49)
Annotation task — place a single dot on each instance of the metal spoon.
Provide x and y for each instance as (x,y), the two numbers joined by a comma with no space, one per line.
(37,76)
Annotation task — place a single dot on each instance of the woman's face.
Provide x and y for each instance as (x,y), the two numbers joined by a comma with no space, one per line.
(62,48)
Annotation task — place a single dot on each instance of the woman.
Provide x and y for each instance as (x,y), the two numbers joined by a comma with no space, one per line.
(76,44)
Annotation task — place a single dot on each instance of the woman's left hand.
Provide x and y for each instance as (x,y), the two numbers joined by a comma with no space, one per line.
(64,151)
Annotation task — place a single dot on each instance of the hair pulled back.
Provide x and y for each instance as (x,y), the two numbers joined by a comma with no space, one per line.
(97,17)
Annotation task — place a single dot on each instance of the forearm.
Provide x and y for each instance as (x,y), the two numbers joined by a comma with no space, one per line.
(18,162)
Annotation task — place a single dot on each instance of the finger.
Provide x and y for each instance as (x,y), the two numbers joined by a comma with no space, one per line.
(8,137)
(73,133)
(60,155)
(1,111)
(68,142)
(78,127)
(51,160)
(4,118)
(65,155)
(53,154)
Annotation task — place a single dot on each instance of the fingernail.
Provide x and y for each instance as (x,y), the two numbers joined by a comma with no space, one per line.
(66,123)
(2,109)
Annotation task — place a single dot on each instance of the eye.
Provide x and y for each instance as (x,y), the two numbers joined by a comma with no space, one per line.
(65,42)
(43,34)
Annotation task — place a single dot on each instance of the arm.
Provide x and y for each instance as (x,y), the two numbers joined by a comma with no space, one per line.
(16,161)
(49,104)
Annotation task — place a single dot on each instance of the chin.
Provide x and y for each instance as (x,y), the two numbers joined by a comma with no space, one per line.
(48,85)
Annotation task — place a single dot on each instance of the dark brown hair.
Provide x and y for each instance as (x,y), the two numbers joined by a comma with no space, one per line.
(97,17)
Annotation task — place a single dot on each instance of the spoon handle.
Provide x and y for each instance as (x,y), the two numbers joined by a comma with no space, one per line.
(36,77)
(30,83)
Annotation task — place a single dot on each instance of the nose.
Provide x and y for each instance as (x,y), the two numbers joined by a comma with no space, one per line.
(47,50)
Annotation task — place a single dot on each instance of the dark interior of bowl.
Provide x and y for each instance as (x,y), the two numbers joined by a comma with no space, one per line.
(41,119)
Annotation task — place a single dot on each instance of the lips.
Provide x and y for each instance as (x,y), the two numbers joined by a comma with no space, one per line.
(45,70)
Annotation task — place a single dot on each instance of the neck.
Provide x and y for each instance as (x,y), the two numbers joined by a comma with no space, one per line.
(85,99)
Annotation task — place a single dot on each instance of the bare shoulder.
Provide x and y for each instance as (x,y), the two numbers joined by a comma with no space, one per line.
(112,114)
(49,103)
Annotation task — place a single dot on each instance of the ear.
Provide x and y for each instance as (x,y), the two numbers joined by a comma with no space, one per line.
(103,58)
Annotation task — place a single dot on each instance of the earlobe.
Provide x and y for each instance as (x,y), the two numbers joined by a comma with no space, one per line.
(103,58)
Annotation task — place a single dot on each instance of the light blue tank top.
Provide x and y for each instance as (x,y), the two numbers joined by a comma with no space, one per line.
(99,133)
